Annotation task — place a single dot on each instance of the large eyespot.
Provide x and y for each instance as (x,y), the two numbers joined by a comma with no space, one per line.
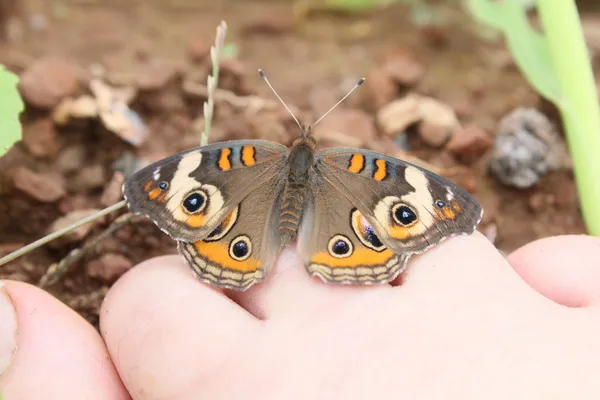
(195,202)
(240,248)
(404,215)
(340,247)
(365,232)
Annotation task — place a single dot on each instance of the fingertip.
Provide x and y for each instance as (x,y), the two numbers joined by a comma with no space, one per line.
(164,327)
(564,268)
(59,354)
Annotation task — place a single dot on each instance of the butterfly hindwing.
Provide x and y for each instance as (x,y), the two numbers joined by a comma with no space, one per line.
(338,244)
(242,248)
(188,194)
(410,208)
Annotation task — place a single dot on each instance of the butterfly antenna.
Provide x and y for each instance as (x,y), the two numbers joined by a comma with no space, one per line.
(360,82)
(264,78)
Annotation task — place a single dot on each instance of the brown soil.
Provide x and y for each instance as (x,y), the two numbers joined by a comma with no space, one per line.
(310,65)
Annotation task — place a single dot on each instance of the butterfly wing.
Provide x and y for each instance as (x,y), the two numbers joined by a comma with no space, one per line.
(188,194)
(241,249)
(411,209)
(338,244)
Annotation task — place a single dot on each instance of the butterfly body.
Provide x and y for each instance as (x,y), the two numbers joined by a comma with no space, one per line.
(358,215)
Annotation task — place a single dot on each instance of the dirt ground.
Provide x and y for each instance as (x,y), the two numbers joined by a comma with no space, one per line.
(159,51)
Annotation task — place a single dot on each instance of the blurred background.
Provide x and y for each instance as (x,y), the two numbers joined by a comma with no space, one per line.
(113,85)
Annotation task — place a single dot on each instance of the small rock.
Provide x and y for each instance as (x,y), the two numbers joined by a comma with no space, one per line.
(156,74)
(536,202)
(346,122)
(403,67)
(109,267)
(112,192)
(75,235)
(89,178)
(199,48)
(40,138)
(49,80)
(469,144)
(526,148)
(82,107)
(75,202)
(398,115)
(378,90)
(43,187)
(71,159)
(433,134)
(435,34)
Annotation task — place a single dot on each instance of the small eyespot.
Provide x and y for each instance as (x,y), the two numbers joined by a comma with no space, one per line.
(365,232)
(240,248)
(440,204)
(195,202)
(372,238)
(403,214)
(340,247)
(163,186)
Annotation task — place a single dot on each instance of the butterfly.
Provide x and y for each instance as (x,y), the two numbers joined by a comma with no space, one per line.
(358,215)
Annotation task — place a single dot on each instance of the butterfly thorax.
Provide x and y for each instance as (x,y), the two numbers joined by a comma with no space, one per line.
(300,161)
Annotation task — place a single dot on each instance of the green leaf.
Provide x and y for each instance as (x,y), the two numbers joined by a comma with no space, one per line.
(11,105)
(557,64)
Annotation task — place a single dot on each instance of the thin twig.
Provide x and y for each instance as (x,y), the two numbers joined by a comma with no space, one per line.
(57,270)
(59,233)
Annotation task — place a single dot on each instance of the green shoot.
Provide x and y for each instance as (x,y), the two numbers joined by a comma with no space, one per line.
(208,112)
(557,64)
(212,80)
(11,105)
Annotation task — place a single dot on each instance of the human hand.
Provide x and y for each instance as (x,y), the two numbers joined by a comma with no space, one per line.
(464,324)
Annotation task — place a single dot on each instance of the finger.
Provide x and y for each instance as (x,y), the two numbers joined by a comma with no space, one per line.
(59,355)
(565,269)
(467,269)
(289,290)
(164,329)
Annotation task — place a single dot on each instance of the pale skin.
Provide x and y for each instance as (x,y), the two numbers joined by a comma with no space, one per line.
(466,323)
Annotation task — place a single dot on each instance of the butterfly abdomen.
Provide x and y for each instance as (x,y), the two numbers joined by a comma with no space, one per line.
(292,205)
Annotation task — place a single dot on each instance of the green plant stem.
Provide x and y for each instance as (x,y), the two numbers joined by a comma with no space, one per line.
(61,232)
(581,113)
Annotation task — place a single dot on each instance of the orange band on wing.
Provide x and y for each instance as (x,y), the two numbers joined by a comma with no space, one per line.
(217,253)
(224,162)
(380,170)
(154,193)
(195,221)
(360,257)
(357,163)
(148,186)
(248,156)
(455,206)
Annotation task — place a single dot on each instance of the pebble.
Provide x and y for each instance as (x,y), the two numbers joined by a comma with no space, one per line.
(398,115)
(346,127)
(71,159)
(40,138)
(75,235)
(109,267)
(43,187)
(526,148)
(402,65)
(379,89)
(112,191)
(89,178)
(469,144)
(49,80)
